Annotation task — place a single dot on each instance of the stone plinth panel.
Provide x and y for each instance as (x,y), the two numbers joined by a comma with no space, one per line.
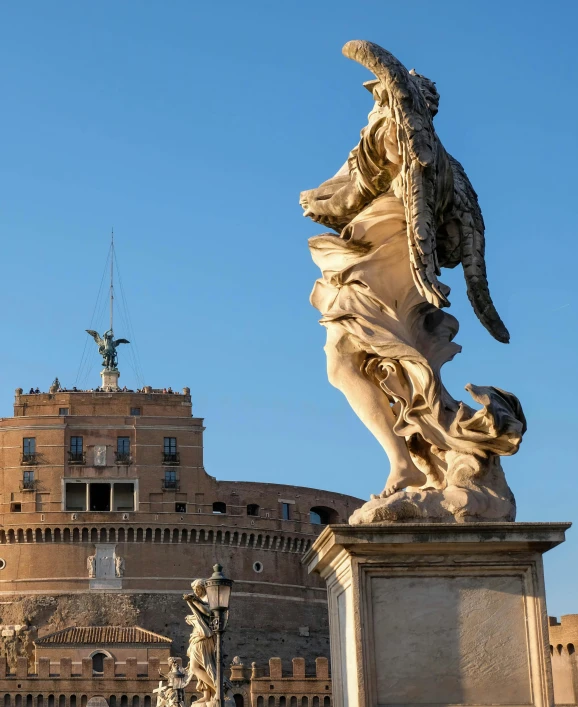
(437,614)
(110,379)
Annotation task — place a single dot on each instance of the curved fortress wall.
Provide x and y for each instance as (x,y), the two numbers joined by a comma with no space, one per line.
(108,513)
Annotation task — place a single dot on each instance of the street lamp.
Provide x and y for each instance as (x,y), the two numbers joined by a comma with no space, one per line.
(218,589)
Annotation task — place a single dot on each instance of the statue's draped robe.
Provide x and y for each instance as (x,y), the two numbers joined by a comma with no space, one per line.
(201,649)
(368,290)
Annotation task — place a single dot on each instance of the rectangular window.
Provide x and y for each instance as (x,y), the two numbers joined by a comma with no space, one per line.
(170,481)
(135,412)
(99,497)
(123,445)
(75,497)
(180,507)
(75,454)
(28,480)
(63,411)
(170,454)
(123,497)
(286,511)
(76,445)
(29,446)
(15,507)
(170,445)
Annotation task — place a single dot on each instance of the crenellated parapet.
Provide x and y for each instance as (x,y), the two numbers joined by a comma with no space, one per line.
(66,669)
(68,682)
(563,642)
(300,688)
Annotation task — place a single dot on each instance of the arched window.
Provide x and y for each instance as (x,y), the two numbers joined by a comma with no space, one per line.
(570,648)
(559,648)
(239,700)
(253,509)
(260,701)
(98,663)
(219,507)
(321,515)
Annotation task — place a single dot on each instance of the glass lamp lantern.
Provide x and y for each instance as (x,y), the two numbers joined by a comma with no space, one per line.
(218,589)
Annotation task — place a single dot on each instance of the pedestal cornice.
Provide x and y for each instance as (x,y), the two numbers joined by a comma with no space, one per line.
(425,538)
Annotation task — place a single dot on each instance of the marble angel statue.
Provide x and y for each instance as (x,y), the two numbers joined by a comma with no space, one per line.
(403,208)
(201,671)
(201,652)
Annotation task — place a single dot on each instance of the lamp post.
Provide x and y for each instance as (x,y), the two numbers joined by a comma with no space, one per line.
(218,589)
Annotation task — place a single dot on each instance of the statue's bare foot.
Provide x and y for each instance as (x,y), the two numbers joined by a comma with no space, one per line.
(402,476)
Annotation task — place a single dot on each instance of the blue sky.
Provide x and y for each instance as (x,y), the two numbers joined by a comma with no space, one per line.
(192,127)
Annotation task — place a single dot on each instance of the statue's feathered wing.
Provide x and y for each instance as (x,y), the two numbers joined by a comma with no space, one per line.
(466,217)
(96,336)
(120,341)
(438,198)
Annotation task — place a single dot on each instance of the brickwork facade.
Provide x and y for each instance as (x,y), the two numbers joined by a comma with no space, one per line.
(107,514)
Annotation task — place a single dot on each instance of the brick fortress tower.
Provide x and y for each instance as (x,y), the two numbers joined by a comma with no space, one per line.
(107,514)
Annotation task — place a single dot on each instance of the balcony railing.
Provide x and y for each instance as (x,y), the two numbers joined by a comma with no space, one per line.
(170,485)
(30,458)
(28,485)
(77,457)
(122,458)
(171,458)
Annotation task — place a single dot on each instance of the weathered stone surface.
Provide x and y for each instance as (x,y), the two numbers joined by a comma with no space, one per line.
(402,207)
(446,614)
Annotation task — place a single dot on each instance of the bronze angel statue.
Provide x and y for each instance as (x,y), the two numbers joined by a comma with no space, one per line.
(403,208)
(107,346)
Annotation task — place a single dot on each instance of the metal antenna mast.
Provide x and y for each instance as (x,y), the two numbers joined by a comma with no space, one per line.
(111,276)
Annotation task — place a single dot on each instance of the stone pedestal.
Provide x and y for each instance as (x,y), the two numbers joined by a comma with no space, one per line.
(110,378)
(437,614)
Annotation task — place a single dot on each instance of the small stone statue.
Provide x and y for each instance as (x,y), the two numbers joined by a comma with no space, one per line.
(402,207)
(56,386)
(91,566)
(107,346)
(166,696)
(118,566)
(201,652)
